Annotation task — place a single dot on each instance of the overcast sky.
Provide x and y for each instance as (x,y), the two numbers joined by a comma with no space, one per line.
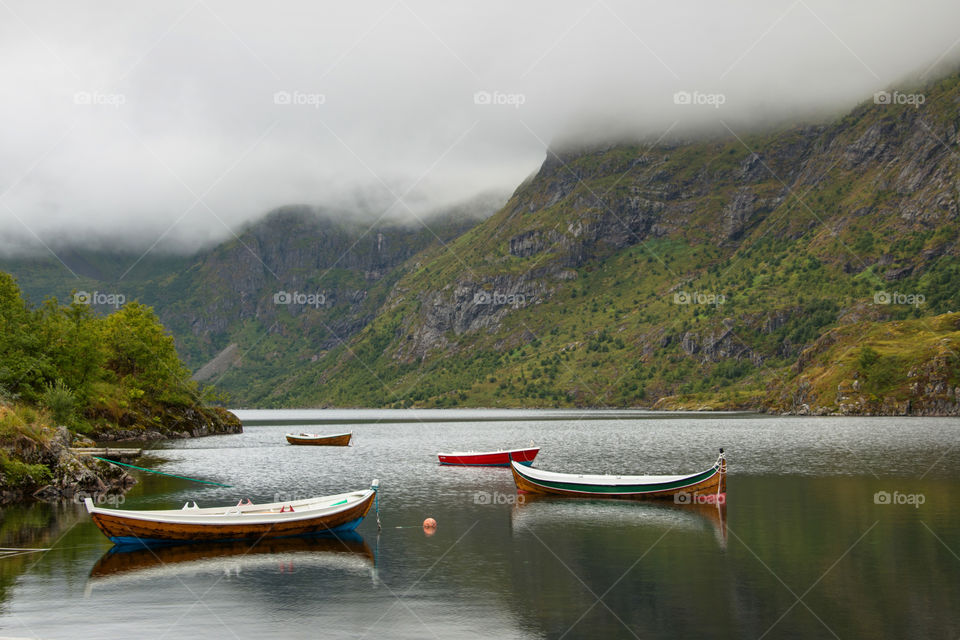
(179,121)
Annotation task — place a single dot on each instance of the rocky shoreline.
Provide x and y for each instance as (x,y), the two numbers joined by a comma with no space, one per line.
(164,423)
(851,406)
(68,476)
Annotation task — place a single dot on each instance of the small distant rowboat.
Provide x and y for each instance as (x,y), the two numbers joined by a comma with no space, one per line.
(703,487)
(335,440)
(321,515)
(490,458)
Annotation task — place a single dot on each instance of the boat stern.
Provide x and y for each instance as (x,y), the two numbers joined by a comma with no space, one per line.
(722,490)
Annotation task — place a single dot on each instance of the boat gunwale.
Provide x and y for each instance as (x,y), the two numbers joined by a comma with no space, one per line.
(488,453)
(241,515)
(604,479)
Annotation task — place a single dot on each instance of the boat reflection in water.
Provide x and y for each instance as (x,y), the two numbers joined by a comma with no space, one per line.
(533,510)
(344,552)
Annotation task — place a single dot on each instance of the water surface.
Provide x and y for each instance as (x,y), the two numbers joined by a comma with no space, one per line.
(803,549)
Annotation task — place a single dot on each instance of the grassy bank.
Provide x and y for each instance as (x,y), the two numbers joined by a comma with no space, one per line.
(902,367)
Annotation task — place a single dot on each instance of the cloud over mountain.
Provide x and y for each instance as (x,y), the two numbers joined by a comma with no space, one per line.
(176,122)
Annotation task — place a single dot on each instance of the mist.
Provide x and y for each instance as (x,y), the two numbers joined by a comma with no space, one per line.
(172,125)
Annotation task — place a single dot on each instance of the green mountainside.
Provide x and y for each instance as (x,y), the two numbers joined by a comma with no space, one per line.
(248,312)
(694,274)
(807,269)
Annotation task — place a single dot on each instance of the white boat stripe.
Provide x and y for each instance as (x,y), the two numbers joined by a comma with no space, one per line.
(603,480)
(247,515)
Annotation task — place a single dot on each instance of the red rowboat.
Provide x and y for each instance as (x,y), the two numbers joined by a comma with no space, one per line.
(490,458)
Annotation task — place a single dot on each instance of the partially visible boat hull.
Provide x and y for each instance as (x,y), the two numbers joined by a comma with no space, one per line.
(338,440)
(708,486)
(489,458)
(197,536)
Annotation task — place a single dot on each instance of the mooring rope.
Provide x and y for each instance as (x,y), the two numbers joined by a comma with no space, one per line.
(169,475)
(13,552)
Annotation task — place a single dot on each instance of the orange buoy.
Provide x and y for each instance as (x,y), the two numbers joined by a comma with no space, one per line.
(429,525)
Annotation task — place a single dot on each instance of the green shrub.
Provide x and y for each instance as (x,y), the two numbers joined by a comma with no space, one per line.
(16,473)
(868,357)
(61,401)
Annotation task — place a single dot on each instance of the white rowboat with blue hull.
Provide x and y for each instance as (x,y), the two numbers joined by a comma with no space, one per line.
(313,516)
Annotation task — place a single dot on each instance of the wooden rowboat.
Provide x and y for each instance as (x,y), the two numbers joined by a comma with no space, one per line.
(489,458)
(704,487)
(335,440)
(321,515)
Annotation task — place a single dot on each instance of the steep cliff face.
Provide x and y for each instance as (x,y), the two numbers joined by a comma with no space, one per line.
(287,290)
(291,263)
(629,273)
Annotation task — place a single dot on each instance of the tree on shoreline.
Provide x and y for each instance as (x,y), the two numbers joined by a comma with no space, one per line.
(80,366)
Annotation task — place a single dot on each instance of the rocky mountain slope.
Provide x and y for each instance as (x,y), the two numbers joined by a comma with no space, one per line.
(683,272)
(741,269)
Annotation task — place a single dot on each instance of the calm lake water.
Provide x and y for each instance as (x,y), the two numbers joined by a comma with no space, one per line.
(804,549)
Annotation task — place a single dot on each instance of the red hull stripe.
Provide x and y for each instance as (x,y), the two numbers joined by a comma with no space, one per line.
(501,458)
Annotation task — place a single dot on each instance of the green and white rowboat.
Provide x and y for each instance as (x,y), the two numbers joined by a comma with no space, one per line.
(702,487)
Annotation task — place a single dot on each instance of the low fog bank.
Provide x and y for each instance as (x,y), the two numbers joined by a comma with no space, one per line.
(147,237)
(170,126)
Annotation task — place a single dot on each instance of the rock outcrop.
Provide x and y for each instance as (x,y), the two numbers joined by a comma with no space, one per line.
(161,422)
(69,476)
